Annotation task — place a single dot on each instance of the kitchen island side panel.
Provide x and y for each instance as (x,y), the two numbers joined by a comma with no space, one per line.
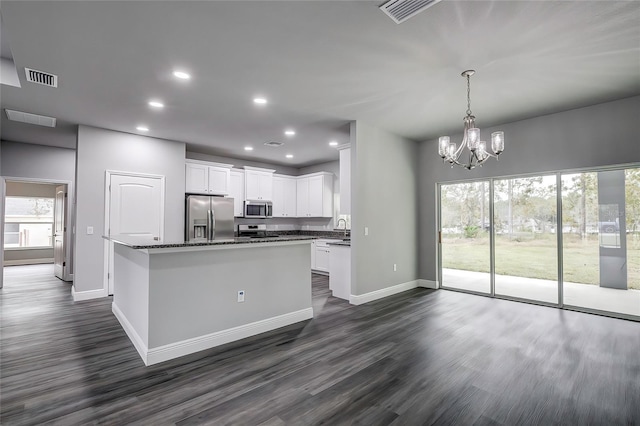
(131,289)
(195,293)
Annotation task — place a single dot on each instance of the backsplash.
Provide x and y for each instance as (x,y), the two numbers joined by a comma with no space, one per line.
(320,234)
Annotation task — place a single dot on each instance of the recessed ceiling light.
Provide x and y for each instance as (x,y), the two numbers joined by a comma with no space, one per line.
(333,143)
(181,75)
(289,155)
(156,104)
(248,148)
(260,101)
(290,132)
(142,128)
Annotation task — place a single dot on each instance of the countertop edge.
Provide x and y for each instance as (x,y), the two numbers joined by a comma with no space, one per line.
(212,244)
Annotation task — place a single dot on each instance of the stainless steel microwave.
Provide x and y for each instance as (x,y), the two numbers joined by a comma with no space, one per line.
(258,209)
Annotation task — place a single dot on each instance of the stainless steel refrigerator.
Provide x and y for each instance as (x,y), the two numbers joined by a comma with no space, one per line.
(208,218)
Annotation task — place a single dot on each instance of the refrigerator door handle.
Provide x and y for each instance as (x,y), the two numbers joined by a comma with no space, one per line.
(213,224)
(208,225)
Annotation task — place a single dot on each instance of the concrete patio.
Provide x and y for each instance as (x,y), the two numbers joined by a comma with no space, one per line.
(575,294)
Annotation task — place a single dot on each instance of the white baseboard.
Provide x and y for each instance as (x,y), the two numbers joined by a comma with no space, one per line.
(27,261)
(428,284)
(379,294)
(135,338)
(87,295)
(196,344)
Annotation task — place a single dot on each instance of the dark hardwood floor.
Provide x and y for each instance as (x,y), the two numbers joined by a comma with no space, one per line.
(419,357)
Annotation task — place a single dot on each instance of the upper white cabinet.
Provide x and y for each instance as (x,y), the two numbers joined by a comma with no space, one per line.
(345,179)
(207,178)
(236,191)
(284,196)
(258,183)
(314,195)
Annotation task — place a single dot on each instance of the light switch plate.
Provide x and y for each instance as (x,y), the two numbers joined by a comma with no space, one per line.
(366,230)
(89,230)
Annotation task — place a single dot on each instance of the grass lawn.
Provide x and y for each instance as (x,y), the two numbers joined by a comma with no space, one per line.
(537,257)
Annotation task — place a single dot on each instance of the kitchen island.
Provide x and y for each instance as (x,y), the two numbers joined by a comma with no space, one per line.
(174,299)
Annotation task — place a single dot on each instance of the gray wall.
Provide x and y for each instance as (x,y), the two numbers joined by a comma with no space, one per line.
(29,161)
(37,162)
(384,199)
(239,163)
(100,150)
(30,189)
(600,135)
(28,256)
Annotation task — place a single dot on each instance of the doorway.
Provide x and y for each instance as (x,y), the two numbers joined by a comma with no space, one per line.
(35,224)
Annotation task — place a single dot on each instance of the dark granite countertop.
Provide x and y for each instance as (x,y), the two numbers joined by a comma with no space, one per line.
(135,243)
(340,243)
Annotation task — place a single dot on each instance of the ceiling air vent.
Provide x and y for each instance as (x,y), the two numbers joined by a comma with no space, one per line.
(40,77)
(25,117)
(401,10)
(274,144)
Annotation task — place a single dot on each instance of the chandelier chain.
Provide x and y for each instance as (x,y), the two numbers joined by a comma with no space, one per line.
(468,95)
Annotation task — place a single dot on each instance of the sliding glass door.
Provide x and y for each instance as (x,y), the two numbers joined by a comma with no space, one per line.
(601,240)
(526,250)
(465,236)
(563,239)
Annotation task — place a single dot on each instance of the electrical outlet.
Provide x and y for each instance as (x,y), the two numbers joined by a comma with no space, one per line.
(89,230)
(366,231)
(240,296)
(395,267)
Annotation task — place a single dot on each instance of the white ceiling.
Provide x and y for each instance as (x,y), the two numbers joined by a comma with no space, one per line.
(321,64)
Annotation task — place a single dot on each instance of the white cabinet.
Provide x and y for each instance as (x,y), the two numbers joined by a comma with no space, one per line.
(236,191)
(345,179)
(207,178)
(322,259)
(284,196)
(320,253)
(258,183)
(315,195)
(340,271)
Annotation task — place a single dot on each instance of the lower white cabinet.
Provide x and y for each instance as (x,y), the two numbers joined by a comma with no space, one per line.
(340,271)
(322,259)
(320,253)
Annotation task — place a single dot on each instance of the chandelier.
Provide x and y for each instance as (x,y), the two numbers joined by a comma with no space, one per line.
(476,153)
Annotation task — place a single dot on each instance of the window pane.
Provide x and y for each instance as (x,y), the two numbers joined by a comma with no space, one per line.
(601,256)
(464,217)
(26,209)
(526,256)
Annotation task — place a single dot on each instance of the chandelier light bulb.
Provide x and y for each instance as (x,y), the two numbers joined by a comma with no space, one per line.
(473,136)
(452,151)
(497,142)
(443,146)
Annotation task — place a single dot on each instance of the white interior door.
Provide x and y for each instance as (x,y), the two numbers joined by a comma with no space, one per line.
(59,231)
(136,208)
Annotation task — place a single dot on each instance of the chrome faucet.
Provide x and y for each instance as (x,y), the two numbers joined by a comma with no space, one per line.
(345,226)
